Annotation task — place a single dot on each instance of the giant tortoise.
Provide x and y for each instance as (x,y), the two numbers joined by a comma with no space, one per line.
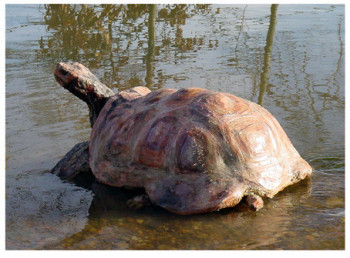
(192,150)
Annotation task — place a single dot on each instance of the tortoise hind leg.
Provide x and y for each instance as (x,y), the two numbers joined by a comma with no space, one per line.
(139,201)
(76,161)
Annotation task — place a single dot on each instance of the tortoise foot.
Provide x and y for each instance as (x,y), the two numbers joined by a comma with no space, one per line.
(138,202)
(255,202)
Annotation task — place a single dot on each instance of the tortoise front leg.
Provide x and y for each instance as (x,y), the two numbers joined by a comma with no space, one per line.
(74,162)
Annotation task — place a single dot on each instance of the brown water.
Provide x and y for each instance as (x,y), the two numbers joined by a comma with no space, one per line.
(289,58)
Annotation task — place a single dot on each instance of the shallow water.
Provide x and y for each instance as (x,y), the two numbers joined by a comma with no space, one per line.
(293,65)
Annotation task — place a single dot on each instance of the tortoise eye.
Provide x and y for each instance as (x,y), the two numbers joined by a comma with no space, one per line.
(63,72)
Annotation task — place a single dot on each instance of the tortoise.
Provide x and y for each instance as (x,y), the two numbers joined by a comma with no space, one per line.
(192,150)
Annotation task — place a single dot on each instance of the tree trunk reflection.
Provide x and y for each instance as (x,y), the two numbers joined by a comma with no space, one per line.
(150,50)
(267,53)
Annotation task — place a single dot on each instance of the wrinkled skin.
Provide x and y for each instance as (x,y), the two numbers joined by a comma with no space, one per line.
(82,83)
(192,150)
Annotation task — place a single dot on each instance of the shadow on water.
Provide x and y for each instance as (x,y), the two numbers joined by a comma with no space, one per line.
(121,227)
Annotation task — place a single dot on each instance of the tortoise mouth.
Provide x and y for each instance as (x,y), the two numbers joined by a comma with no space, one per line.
(59,79)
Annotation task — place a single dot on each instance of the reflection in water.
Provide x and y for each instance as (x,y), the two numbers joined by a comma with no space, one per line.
(110,36)
(213,46)
(267,54)
(120,227)
(150,50)
(338,71)
(240,30)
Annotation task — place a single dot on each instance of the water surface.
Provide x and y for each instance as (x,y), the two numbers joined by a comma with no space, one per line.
(289,58)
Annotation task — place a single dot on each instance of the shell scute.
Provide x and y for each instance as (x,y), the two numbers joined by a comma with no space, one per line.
(152,146)
(192,152)
(155,96)
(183,96)
(258,139)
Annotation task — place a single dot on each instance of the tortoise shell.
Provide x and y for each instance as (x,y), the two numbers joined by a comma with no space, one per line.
(193,150)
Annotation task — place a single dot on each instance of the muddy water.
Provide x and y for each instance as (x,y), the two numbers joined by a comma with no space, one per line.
(289,58)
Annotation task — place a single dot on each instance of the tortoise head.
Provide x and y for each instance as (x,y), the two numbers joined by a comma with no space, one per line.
(66,72)
(76,78)
(82,83)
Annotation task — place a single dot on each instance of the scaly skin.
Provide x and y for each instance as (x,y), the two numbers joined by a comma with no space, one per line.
(82,83)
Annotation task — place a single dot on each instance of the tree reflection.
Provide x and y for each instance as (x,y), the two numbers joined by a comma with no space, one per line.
(267,54)
(150,51)
(114,36)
